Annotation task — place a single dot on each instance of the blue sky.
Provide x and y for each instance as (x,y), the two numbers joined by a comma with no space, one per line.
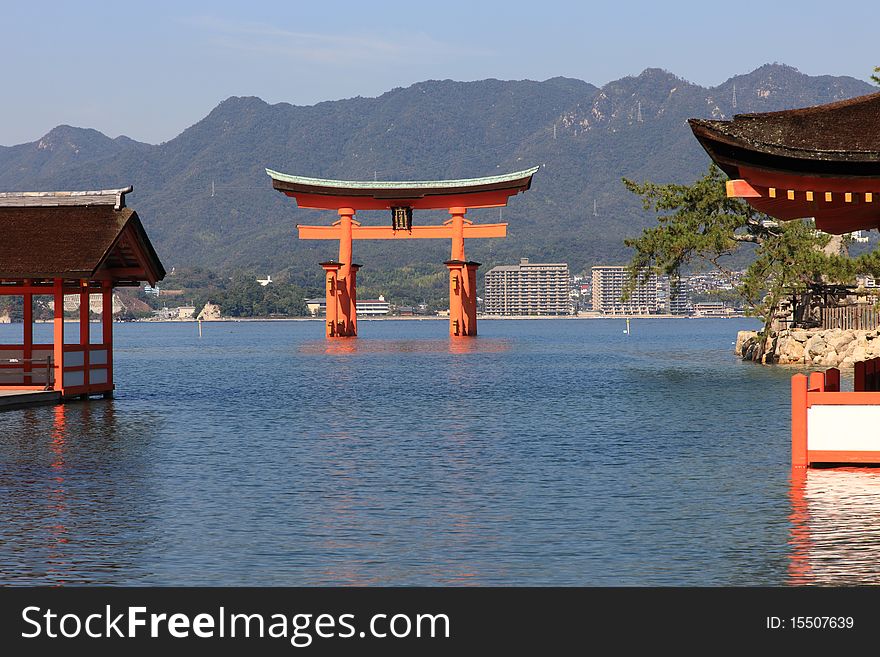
(150,70)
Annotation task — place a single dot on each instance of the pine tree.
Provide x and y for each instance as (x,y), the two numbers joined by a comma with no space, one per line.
(699,226)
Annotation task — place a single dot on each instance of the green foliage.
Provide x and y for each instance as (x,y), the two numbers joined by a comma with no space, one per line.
(698,223)
(407,286)
(238,296)
(875,77)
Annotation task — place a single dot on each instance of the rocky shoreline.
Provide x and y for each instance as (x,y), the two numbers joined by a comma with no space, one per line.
(821,347)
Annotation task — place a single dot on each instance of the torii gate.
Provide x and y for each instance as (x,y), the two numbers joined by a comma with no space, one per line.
(401,198)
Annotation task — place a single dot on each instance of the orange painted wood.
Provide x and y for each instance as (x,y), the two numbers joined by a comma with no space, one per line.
(843,398)
(17,386)
(58,335)
(107,326)
(799,421)
(84,330)
(456,306)
(741,189)
(457,233)
(470,231)
(817,381)
(842,456)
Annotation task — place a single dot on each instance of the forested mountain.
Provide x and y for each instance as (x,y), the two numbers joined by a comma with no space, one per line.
(585,139)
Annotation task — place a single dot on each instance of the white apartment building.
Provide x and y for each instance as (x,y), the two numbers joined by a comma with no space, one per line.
(529,288)
(608,285)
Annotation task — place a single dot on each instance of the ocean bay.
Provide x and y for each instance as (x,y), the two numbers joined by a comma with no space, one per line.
(541,452)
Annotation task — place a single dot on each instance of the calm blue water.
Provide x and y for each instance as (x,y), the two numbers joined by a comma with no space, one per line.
(542,452)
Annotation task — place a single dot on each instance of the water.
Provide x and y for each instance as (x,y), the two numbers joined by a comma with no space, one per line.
(543,452)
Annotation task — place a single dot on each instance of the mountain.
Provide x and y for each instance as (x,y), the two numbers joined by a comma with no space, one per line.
(206,200)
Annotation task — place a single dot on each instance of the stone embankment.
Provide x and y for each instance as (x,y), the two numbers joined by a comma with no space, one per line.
(820,347)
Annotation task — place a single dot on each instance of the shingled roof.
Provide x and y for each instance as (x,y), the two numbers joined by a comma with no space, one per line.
(836,138)
(75,235)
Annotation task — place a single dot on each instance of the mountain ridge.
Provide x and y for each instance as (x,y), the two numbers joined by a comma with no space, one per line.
(584,137)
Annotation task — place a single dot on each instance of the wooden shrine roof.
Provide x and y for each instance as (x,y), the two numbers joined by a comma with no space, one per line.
(840,138)
(75,235)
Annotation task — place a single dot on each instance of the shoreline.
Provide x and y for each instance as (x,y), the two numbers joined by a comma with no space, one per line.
(395,318)
(429,318)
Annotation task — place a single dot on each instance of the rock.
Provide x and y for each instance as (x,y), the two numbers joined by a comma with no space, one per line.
(210,312)
(828,359)
(801,335)
(858,354)
(816,346)
(752,349)
(768,353)
(741,338)
(838,342)
(789,350)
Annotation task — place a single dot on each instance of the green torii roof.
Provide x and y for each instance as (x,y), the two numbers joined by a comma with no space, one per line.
(388,185)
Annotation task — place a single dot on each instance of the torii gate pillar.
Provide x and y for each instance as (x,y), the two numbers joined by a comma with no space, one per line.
(341,283)
(462,281)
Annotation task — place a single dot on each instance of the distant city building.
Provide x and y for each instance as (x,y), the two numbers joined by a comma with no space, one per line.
(317,307)
(265,281)
(712,309)
(678,299)
(180,312)
(149,289)
(528,289)
(608,285)
(373,307)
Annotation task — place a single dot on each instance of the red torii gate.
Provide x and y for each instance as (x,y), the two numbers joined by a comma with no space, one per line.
(401,198)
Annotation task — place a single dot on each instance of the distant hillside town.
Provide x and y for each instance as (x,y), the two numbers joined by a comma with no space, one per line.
(523,289)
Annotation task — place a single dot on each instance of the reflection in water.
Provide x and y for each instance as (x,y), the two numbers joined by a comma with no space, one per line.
(71,496)
(835,527)
(373,346)
(57,506)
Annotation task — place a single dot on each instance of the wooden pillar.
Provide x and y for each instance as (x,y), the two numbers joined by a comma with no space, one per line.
(58,334)
(352,301)
(859,376)
(471,308)
(84,298)
(331,273)
(457,233)
(832,380)
(799,421)
(346,284)
(457,311)
(107,328)
(28,340)
(462,285)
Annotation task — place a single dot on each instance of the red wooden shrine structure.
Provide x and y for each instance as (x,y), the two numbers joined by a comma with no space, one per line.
(819,162)
(68,243)
(401,198)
